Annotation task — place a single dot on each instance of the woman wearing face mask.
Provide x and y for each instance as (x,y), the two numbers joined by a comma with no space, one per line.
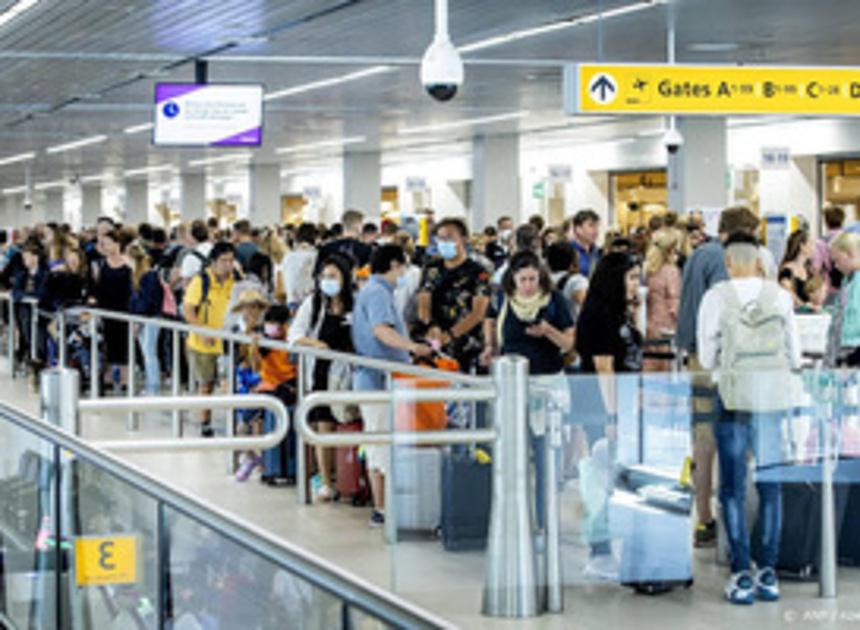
(324,321)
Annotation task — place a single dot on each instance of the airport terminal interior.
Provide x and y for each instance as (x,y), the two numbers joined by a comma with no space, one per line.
(429,314)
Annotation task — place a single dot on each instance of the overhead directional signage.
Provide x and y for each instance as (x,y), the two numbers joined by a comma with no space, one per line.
(715,90)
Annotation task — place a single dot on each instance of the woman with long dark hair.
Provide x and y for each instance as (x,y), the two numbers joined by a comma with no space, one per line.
(608,344)
(324,321)
(796,266)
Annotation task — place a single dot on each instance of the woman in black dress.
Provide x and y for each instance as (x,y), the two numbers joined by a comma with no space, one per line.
(112,288)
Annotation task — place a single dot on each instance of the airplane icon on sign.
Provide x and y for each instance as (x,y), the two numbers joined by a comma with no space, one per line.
(640,84)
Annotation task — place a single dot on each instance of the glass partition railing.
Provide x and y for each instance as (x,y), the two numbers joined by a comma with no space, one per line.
(626,486)
(88,541)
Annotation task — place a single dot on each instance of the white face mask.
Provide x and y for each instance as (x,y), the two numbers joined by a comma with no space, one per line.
(330,287)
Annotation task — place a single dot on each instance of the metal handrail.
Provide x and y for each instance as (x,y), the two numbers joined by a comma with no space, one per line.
(307,351)
(351,589)
(169,403)
(386,397)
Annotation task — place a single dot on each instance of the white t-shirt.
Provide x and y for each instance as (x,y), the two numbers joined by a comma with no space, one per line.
(748,289)
(297,268)
(191,264)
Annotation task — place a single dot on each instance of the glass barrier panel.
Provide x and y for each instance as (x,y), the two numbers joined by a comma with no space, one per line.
(113,534)
(29,569)
(214,580)
(441,501)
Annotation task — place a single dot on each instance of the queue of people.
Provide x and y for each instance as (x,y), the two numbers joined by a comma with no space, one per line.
(549,294)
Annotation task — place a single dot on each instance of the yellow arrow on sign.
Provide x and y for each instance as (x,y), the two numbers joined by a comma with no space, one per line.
(714,90)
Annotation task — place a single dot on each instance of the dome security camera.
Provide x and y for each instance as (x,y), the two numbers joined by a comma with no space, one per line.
(441,66)
(673,140)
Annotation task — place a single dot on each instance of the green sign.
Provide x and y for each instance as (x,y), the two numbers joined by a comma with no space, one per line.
(538,191)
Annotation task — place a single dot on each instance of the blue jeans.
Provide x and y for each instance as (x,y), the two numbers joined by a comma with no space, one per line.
(737,433)
(152,367)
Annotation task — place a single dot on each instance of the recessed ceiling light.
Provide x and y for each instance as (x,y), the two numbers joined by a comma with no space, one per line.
(22,157)
(469,122)
(245,157)
(714,47)
(16,9)
(137,128)
(297,148)
(77,144)
(149,169)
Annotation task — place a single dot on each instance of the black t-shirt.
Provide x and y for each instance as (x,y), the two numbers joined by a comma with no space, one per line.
(599,334)
(453,291)
(356,252)
(543,355)
(336,332)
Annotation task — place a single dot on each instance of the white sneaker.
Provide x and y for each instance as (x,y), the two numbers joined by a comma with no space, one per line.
(602,567)
(741,589)
(325,494)
(766,585)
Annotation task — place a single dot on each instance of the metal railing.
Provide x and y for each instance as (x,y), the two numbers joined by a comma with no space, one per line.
(353,592)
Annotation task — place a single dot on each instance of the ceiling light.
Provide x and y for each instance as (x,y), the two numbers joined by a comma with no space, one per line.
(557,26)
(484,120)
(220,160)
(138,128)
(316,85)
(714,47)
(23,157)
(651,134)
(60,148)
(298,148)
(93,178)
(149,169)
(48,185)
(16,9)
(15,190)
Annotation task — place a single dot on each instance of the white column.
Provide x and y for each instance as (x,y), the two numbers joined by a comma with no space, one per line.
(136,201)
(54,205)
(362,183)
(495,180)
(193,196)
(91,204)
(697,172)
(265,202)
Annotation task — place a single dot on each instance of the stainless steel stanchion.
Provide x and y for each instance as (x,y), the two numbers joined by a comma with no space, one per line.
(389,485)
(231,414)
(59,388)
(61,339)
(10,346)
(304,496)
(133,424)
(34,330)
(176,378)
(510,586)
(554,589)
(95,373)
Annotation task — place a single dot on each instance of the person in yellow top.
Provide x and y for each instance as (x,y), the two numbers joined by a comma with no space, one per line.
(205,304)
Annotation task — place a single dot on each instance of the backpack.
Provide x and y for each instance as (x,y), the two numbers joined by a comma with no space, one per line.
(206,283)
(168,300)
(754,366)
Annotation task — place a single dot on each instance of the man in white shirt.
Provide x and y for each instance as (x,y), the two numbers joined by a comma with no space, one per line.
(298,266)
(735,317)
(193,261)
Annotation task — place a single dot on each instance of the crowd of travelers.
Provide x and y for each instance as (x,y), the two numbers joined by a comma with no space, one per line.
(552,294)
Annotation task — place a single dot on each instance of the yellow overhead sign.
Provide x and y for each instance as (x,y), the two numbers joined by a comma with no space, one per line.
(717,90)
(108,560)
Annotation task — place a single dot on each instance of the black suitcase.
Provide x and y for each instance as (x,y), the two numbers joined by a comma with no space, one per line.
(466,500)
(849,540)
(800,543)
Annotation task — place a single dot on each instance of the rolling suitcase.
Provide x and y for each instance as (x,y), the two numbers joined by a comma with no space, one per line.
(466,501)
(417,488)
(350,474)
(279,463)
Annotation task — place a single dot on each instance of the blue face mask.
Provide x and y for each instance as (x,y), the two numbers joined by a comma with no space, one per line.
(330,287)
(447,250)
